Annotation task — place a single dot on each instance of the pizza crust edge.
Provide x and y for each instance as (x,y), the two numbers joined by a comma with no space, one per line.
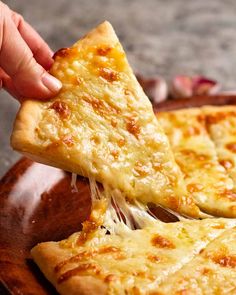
(48,255)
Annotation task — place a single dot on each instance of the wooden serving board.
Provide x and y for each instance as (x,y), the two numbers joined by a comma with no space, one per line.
(37,203)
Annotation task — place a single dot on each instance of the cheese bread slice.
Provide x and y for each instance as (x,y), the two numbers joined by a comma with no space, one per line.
(221,124)
(212,272)
(196,155)
(128,261)
(102,125)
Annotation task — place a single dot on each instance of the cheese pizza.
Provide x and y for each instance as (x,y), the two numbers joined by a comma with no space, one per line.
(221,124)
(211,272)
(195,153)
(125,261)
(102,125)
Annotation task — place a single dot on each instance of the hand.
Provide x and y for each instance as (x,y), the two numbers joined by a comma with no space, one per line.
(24,59)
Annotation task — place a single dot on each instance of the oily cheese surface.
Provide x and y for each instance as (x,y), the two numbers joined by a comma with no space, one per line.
(212,272)
(128,262)
(102,125)
(196,154)
(221,124)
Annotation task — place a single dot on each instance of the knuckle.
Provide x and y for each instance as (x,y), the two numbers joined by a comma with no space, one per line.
(26,63)
(17,19)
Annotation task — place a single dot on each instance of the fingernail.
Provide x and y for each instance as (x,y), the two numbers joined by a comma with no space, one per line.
(51,82)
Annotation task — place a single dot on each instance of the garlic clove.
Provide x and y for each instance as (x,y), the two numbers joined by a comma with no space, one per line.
(181,86)
(186,86)
(155,88)
(205,86)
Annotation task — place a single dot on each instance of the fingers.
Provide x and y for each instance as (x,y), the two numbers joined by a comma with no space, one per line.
(41,51)
(29,78)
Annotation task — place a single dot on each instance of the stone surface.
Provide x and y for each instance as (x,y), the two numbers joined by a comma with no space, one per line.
(161,37)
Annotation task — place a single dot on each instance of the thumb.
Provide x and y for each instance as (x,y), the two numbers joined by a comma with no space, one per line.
(28,77)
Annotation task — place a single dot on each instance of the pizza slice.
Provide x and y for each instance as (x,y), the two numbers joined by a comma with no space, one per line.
(195,153)
(126,261)
(221,124)
(102,125)
(211,272)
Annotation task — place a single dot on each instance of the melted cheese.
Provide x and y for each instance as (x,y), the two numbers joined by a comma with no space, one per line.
(127,259)
(212,272)
(221,124)
(102,125)
(207,181)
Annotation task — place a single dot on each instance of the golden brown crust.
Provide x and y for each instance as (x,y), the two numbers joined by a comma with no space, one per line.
(48,255)
(104,33)
(25,124)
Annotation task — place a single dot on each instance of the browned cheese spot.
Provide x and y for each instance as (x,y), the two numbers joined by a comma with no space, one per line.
(88,254)
(77,258)
(96,139)
(121,142)
(206,271)
(132,126)
(113,122)
(225,260)
(103,51)
(63,52)
(162,242)
(227,164)
(108,74)
(153,258)
(194,187)
(228,194)
(110,278)
(109,249)
(140,169)
(217,117)
(86,267)
(218,226)
(61,108)
(231,146)
(173,202)
(157,166)
(201,118)
(68,140)
(100,106)
(191,131)
(115,154)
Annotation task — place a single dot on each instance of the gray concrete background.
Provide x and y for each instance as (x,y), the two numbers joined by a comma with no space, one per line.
(162,37)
